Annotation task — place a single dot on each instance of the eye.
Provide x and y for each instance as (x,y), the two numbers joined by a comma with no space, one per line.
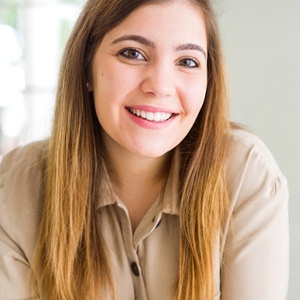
(132,54)
(188,63)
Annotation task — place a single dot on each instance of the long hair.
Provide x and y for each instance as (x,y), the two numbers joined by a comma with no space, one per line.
(204,198)
(71,260)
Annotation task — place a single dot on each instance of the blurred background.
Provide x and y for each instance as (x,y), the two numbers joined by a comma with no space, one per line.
(262,50)
(33,34)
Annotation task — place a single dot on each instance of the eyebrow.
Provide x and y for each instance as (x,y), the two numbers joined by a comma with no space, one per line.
(191,46)
(148,43)
(136,38)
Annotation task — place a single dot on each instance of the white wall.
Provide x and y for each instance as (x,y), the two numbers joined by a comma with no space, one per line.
(262,49)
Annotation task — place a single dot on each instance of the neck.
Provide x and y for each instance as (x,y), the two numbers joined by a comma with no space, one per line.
(128,171)
(136,180)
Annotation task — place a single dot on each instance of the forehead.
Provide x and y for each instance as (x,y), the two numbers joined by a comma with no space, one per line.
(166,20)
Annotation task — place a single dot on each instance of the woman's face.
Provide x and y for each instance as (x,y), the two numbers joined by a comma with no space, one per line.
(149,78)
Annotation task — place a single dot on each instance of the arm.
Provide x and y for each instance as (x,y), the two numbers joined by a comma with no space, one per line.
(21,195)
(15,271)
(256,252)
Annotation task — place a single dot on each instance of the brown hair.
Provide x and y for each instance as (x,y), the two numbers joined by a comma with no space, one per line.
(70,261)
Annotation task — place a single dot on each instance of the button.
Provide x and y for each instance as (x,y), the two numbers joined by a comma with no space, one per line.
(135,269)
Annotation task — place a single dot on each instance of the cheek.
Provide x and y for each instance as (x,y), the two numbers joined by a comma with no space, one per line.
(103,75)
(105,90)
(195,98)
(110,72)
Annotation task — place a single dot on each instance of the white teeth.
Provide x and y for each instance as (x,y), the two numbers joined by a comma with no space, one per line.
(150,116)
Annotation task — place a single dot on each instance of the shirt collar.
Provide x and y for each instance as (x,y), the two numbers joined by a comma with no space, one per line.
(170,195)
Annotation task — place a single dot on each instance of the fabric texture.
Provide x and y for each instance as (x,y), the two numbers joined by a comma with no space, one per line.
(254,249)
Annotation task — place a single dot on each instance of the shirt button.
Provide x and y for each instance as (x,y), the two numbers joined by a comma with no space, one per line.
(135,269)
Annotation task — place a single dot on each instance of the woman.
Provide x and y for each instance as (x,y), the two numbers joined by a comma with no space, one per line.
(143,191)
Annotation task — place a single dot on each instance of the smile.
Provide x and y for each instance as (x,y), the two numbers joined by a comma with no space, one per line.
(150,116)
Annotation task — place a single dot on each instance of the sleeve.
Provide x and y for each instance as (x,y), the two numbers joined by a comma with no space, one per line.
(15,272)
(19,215)
(256,251)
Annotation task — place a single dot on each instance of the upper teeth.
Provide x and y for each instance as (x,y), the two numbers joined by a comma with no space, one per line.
(151,116)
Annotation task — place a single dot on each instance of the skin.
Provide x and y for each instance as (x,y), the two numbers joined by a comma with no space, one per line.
(149,79)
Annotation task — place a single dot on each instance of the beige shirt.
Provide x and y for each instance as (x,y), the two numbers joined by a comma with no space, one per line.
(145,263)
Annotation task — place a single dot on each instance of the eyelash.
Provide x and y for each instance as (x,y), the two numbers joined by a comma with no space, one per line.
(126,54)
(128,50)
(196,64)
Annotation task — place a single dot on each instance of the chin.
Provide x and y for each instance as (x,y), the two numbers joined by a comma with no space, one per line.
(151,153)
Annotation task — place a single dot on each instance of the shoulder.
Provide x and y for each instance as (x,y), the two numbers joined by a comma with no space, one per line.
(256,242)
(21,192)
(247,151)
(252,171)
(22,170)
(245,146)
(24,156)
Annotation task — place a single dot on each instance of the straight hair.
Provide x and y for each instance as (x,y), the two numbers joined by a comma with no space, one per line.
(71,260)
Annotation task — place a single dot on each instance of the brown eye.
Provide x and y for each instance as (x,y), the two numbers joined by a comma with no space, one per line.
(188,63)
(132,54)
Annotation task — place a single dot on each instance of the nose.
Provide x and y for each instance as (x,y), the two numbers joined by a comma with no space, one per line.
(159,80)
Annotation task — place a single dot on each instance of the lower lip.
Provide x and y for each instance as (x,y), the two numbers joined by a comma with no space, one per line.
(154,125)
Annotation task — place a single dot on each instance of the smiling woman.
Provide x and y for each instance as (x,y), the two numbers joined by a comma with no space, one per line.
(144,190)
(151,69)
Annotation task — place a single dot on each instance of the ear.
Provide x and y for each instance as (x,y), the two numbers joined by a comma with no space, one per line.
(89,87)
(89,79)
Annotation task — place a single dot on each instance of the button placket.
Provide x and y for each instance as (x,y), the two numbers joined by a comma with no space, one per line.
(132,255)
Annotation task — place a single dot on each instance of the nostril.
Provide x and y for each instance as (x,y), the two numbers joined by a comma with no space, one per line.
(158,82)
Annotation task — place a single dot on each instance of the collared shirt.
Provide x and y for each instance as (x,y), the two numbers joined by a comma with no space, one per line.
(254,248)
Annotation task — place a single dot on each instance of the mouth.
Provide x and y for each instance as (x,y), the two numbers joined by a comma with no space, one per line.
(150,116)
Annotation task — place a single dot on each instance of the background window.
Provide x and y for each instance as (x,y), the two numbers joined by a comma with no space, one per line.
(33,34)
